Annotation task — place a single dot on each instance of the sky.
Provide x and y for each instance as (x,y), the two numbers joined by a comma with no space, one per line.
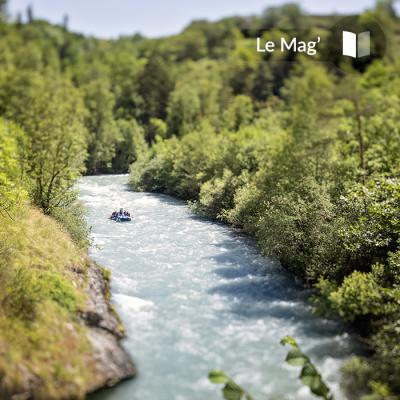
(154,18)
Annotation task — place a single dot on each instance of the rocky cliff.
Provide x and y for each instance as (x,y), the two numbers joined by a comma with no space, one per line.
(113,363)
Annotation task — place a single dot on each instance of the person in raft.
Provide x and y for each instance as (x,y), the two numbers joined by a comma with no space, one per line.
(121,213)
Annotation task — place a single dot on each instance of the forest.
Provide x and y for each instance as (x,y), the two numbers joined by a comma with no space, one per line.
(301,155)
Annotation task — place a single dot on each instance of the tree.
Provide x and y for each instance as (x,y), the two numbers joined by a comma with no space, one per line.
(52,112)
(241,67)
(263,83)
(239,112)
(130,144)
(155,84)
(126,69)
(285,17)
(183,110)
(10,175)
(101,125)
(156,130)
(198,96)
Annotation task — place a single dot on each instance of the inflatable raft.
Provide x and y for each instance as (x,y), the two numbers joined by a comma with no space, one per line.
(121,218)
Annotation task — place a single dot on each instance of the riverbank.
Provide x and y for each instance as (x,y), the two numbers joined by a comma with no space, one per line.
(59,335)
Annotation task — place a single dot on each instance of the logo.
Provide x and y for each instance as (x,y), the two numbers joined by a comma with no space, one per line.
(293,45)
(356,45)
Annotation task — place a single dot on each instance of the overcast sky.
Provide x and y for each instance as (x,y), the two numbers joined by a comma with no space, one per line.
(161,17)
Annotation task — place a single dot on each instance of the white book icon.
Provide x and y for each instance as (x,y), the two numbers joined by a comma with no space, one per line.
(356,45)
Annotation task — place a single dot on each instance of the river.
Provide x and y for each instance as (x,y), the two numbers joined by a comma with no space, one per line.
(195,295)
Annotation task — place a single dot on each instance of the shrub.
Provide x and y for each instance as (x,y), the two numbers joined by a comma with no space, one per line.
(72,219)
(359,295)
(298,226)
(217,195)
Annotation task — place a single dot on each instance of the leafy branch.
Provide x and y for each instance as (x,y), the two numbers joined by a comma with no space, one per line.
(309,375)
(231,390)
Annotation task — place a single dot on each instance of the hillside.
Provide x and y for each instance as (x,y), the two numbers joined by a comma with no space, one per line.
(59,336)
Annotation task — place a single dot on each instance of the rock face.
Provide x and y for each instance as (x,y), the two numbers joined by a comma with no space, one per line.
(98,312)
(105,332)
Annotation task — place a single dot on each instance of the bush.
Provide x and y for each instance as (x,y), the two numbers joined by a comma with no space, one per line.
(22,294)
(358,296)
(372,227)
(356,372)
(299,227)
(386,342)
(72,219)
(217,195)
(248,205)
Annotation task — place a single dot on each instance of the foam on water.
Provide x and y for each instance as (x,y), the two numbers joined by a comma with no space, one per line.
(194,296)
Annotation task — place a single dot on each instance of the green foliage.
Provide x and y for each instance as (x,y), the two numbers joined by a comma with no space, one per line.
(372,211)
(51,112)
(27,289)
(356,372)
(359,295)
(154,87)
(72,218)
(32,272)
(22,295)
(298,226)
(130,144)
(198,95)
(157,129)
(216,195)
(286,17)
(240,112)
(231,390)
(309,374)
(10,175)
(100,124)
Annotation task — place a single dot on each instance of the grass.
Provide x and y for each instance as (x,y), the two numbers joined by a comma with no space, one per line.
(41,290)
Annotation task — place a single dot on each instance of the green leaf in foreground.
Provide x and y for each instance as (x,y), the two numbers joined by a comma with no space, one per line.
(297,358)
(217,376)
(231,390)
(290,341)
(311,377)
(309,374)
